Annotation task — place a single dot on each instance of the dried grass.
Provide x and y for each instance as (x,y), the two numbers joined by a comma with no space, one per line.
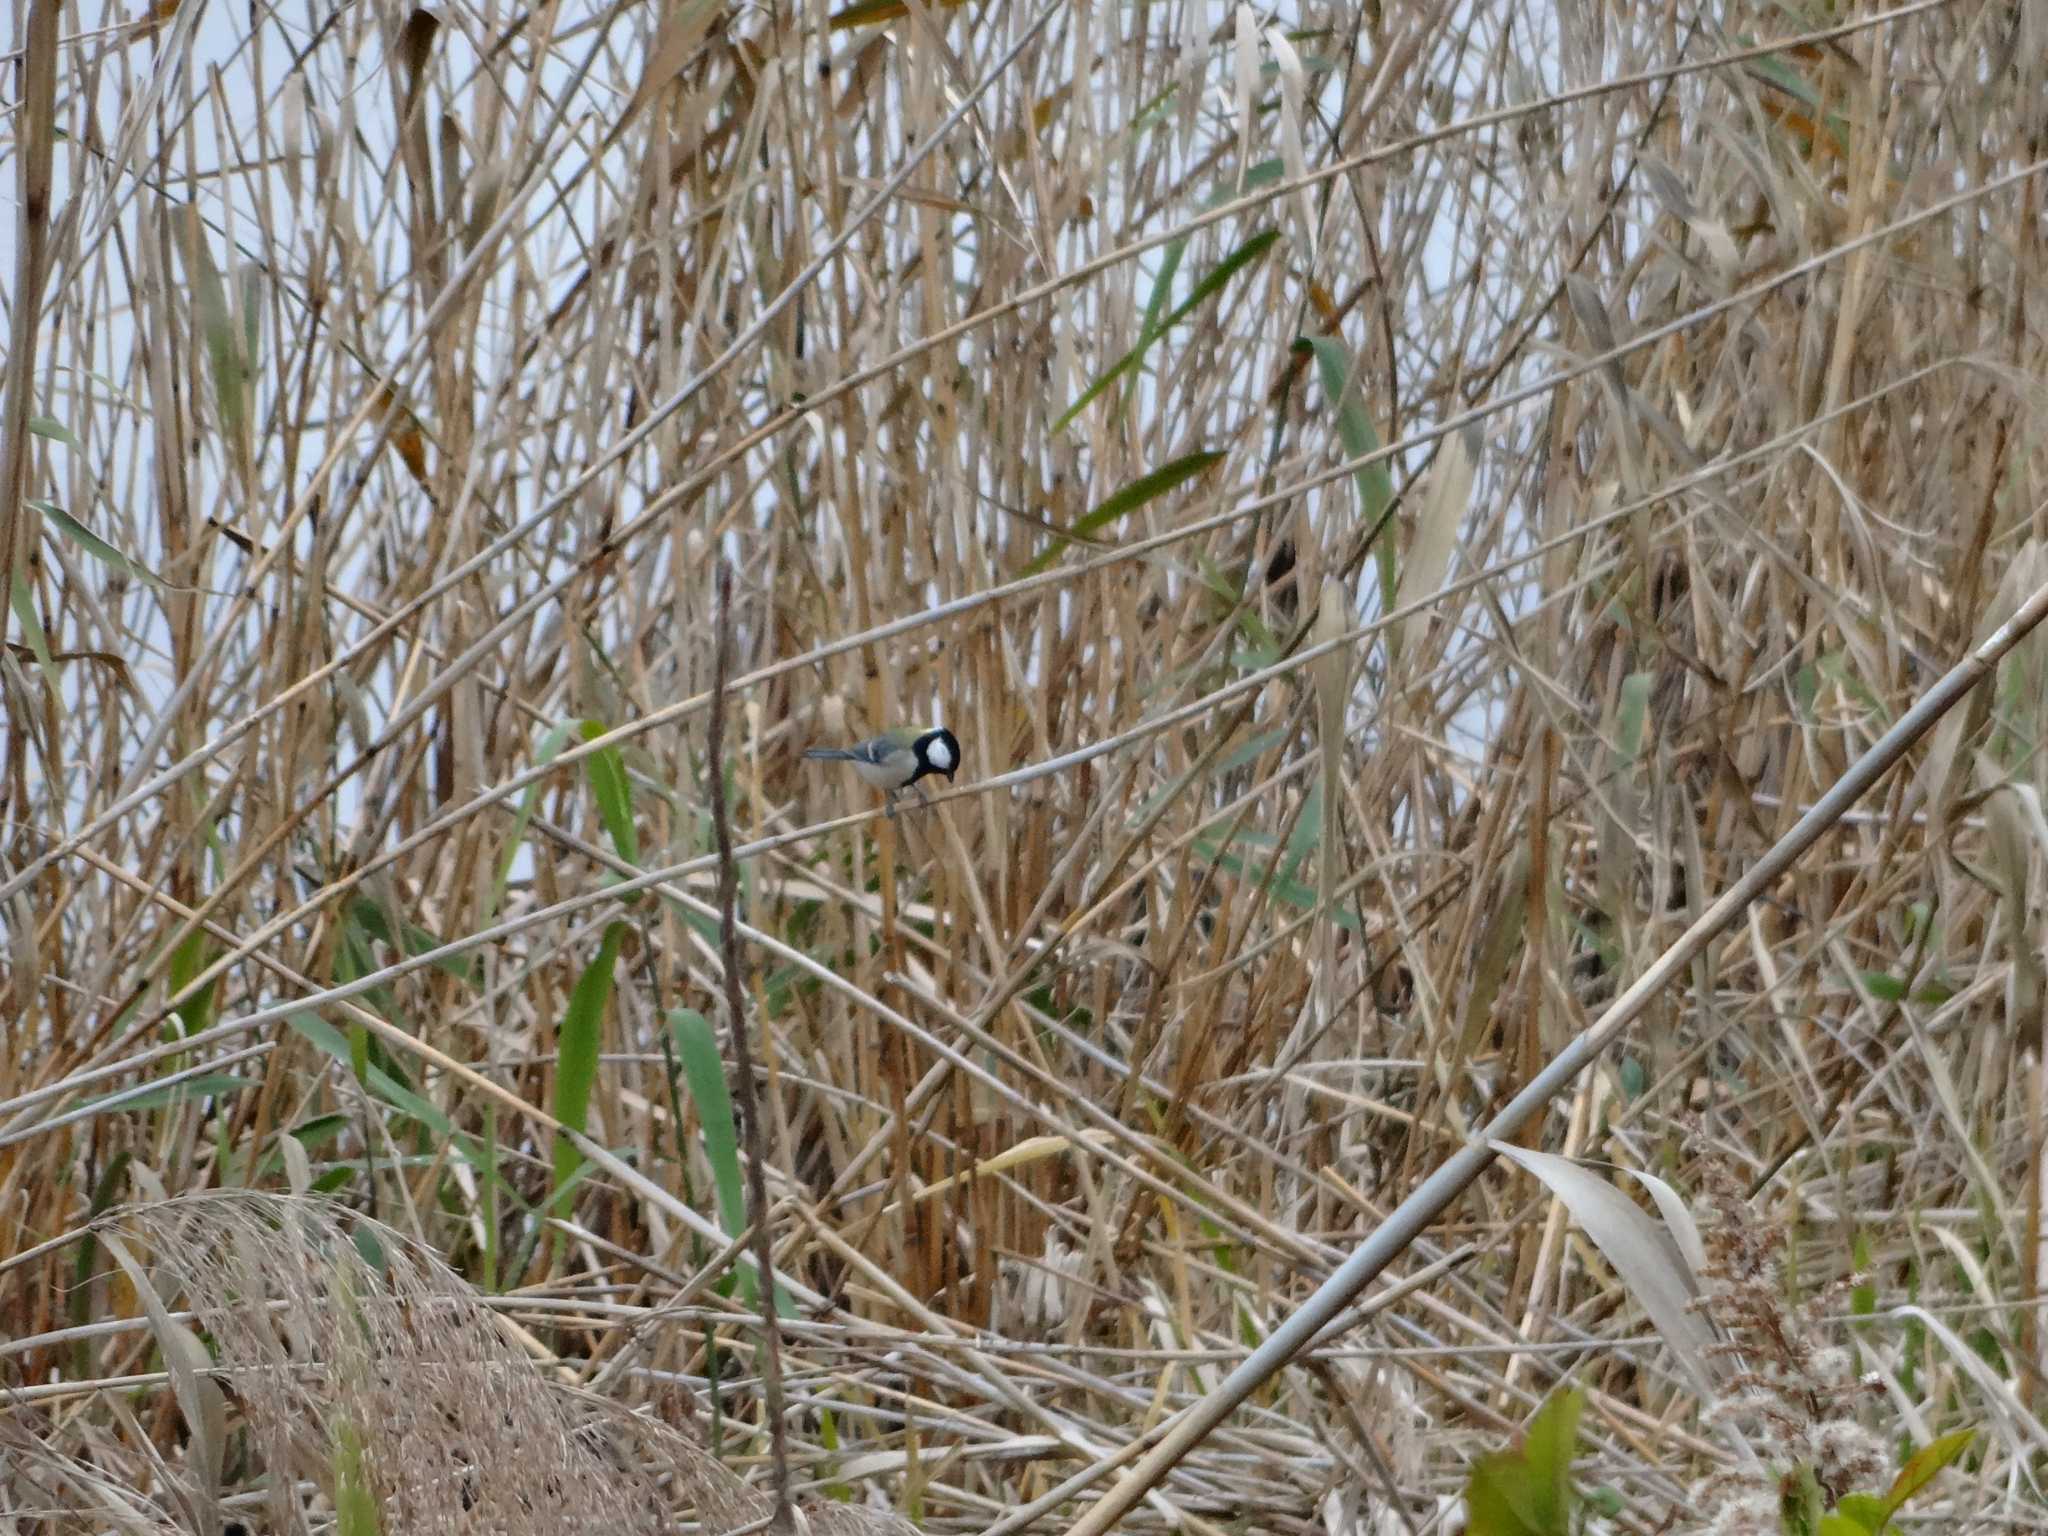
(1680,421)
(329,1330)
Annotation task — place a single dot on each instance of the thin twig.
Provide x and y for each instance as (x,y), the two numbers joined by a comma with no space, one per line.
(783,1522)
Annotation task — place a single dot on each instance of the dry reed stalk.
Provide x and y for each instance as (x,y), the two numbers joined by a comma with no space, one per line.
(399,374)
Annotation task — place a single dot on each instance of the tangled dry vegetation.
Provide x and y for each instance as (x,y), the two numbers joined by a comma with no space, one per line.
(1402,505)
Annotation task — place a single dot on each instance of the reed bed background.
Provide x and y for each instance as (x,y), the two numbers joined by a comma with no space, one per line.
(1401,507)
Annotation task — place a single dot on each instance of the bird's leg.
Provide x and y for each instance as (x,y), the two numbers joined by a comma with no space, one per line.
(890,803)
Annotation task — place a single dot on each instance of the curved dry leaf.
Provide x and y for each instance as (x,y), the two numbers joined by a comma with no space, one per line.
(1247,62)
(676,38)
(1293,154)
(1648,1259)
(199,1397)
(292,104)
(1436,535)
(1684,1230)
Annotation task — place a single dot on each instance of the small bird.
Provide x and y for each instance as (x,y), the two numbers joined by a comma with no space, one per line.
(895,760)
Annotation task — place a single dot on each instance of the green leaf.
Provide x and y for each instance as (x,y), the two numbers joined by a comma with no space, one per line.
(1127,500)
(704,927)
(1863,1298)
(704,1073)
(1631,716)
(1528,1491)
(1835,665)
(1264,174)
(224,351)
(1925,1463)
(355,1504)
(1784,77)
(1635,1077)
(1162,285)
(1295,893)
(1157,112)
(1800,1503)
(412,939)
(319,1130)
(1307,834)
(606,769)
(1839,1524)
(1866,1513)
(1793,84)
(1497,1500)
(1251,751)
(1887,988)
(55,431)
(1605,1501)
(32,629)
(576,1049)
(1805,689)
(93,544)
(1548,1445)
(1211,284)
(187,961)
(80,1308)
(370,1249)
(1345,391)
(828,1437)
(252,315)
(1152,327)
(353,1051)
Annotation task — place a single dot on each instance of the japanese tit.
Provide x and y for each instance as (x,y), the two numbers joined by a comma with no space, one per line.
(895,760)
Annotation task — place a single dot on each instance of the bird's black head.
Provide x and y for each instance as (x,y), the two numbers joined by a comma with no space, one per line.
(937,751)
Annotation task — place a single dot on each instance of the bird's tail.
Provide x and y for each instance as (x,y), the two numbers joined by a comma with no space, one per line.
(831,754)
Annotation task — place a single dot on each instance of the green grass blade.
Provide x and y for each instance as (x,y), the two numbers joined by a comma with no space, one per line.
(355,1504)
(32,630)
(1162,289)
(576,1048)
(412,939)
(94,545)
(195,1013)
(606,769)
(1127,500)
(352,1051)
(1356,432)
(216,326)
(1211,284)
(704,1073)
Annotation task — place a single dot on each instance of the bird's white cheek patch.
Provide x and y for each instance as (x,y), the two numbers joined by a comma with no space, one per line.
(941,756)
